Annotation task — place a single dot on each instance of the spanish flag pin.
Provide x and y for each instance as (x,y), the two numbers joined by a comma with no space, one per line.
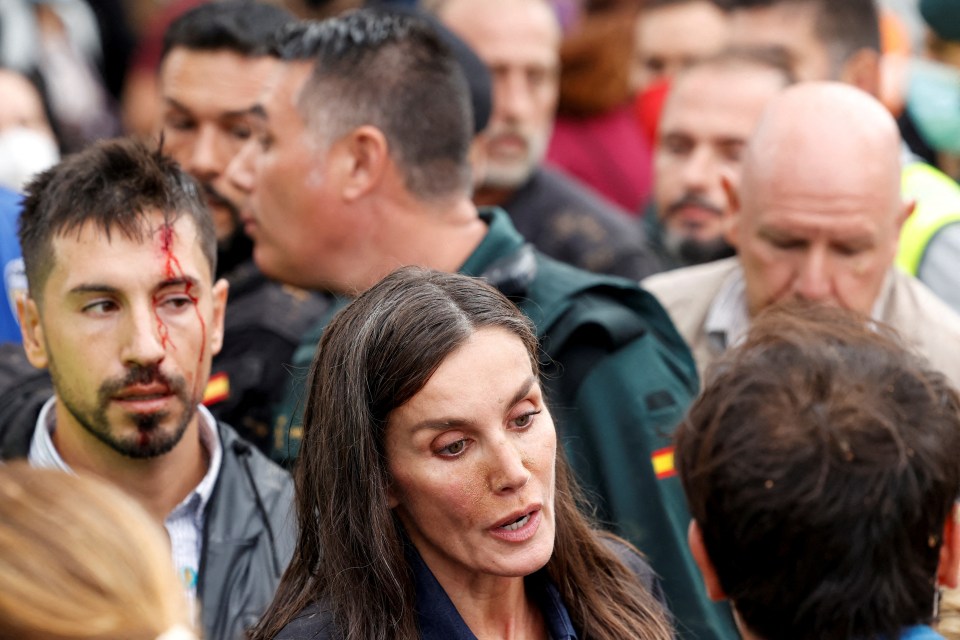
(662,460)
(218,389)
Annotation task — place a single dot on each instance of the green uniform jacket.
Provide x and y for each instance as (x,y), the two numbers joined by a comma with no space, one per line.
(619,378)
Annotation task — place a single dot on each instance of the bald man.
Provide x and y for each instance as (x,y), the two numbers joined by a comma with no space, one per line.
(816,217)
(829,40)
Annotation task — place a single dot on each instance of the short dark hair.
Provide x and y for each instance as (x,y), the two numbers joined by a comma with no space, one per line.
(821,462)
(241,26)
(392,71)
(656,4)
(774,58)
(844,26)
(114,184)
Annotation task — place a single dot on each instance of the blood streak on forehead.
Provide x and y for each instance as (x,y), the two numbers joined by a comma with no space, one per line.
(172,271)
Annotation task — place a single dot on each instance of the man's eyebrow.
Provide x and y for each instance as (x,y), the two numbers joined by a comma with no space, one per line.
(256,110)
(97,288)
(82,289)
(182,281)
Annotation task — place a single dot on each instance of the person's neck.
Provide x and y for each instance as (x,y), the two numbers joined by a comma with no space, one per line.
(159,483)
(496,607)
(491,196)
(439,235)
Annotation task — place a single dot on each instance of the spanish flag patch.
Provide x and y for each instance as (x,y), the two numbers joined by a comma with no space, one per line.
(662,460)
(218,389)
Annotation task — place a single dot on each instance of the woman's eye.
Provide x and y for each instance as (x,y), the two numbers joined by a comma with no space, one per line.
(454,448)
(525,419)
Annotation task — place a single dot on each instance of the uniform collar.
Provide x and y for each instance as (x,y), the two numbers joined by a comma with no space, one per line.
(501,239)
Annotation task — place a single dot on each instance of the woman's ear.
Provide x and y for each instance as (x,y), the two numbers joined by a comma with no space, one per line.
(392,500)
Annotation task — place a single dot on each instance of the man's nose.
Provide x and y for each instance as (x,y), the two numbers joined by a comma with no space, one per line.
(814,278)
(241,171)
(147,337)
(205,162)
(699,169)
(513,96)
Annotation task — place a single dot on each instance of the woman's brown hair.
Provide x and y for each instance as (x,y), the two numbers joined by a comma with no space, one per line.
(375,355)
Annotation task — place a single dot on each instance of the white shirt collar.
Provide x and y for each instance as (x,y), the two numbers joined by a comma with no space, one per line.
(728,318)
(44,454)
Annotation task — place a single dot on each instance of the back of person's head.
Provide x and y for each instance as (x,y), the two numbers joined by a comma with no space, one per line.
(820,464)
(391,71)
(244,27)
(115,185)
(844,26)
(81,560)
(736,58)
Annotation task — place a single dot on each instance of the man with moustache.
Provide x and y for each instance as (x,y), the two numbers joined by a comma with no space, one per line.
(213,67)
(520,42)
(816,217)
(840,41)
(708,117)
(124,312)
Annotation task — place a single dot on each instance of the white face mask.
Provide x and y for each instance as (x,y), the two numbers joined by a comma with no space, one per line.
(23,154)
(933,100)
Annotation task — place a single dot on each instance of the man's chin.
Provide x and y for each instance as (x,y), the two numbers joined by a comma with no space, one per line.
(690,250)
(504,175)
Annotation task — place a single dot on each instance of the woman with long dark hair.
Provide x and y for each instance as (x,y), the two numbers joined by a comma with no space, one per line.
(432,497)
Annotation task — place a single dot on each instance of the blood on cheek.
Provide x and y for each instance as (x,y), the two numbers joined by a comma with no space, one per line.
(172,271)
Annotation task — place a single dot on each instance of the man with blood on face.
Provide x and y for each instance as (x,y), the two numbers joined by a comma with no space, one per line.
(124,312)
(123,329)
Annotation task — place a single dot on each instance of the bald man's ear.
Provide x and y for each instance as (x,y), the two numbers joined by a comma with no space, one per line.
(906,210)
(731,214)
(948,571)
(862,70)
(362,157)
(699,551)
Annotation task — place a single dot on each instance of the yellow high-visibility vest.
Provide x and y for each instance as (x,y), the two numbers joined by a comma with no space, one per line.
(938,204)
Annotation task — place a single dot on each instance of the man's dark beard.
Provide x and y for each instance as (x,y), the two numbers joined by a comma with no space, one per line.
(690,251)
(233,252)
(95,422)
(215,198)
(235,249)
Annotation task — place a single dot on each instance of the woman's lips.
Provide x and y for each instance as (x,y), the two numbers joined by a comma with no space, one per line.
(519,528)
